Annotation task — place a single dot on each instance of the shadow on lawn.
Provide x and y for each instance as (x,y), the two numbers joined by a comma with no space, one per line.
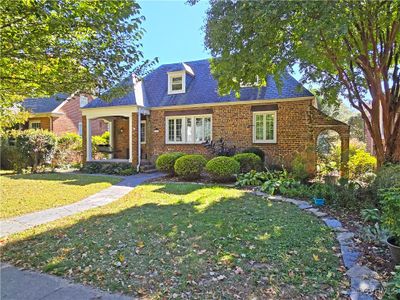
(68,179)
(161,249)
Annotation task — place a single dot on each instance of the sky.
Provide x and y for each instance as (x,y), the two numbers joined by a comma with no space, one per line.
(173,30)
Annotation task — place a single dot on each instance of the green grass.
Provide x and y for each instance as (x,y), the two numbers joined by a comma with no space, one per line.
(22,194)
(187,241)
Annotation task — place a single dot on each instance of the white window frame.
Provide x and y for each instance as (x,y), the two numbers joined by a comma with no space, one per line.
(177,74)
(35,122)
(83,99)
(264,141)
(145,135)
(184,126)
(80,128)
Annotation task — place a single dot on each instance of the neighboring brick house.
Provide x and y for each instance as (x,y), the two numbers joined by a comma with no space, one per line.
(60,113)
(177,108)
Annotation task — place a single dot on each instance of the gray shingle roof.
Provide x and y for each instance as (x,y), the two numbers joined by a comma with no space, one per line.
(202,88)
(44,105)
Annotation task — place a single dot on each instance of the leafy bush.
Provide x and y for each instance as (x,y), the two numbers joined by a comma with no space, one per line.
(220,147)
(252,178)
(111,168)
(69,150)
(248,162)
(190,166)
(100,140)
(387,177)
(10,157)
(361,162)
(222,168)
(257,151)
(165,162)
(390,201)
(393,286)
(36,148)
(279,182)
(299,168)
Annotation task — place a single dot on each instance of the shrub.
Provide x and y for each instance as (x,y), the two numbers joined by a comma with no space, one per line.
(257,151)
(36,147)
(248,162)
(190,166)
(111,168)
(299,168)
(252,178)
(361,162)
(222,168)
(387,177)
(220,147)
(69,150)
(100,140)
(390,201)
(165,162)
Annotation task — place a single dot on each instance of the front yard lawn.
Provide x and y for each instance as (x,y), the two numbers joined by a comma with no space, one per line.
(188,241)
(22,194)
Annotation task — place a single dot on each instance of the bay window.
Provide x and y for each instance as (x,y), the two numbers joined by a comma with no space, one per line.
(264,127)
(188,129)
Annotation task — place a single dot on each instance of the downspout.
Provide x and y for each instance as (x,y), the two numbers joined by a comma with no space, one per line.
(139,143)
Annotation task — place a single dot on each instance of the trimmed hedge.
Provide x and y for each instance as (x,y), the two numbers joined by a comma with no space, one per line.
(165,162)
(257,151)
(248,162)
(112,168)
(190,166)
(222,168)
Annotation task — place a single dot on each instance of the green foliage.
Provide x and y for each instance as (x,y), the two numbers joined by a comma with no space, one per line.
(390,202)
(279,182)
(111,168)
(223,168)
(68,151)
(248,162)
(65,46)
(387,177)
(190,166)
(393,286)
(299,168)
(100,140)
(257,151)
(252,178)
(165,162)
(360,163)
(36,148)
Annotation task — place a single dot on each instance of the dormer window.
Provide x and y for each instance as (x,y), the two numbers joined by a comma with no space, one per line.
(83,100)
(176,82)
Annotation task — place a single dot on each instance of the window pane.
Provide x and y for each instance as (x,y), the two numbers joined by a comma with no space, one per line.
(199,133)
(178,133)
(269,130)
(35,125)
(207,129)
(189,130)
(259,127)
(171,129)
(176,79)
(177,86)
(142,132)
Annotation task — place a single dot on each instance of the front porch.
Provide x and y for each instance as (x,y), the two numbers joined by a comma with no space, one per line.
(127,135)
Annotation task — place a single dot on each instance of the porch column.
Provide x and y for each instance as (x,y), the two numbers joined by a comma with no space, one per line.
(111,131)
(133,138)
(84,139)
(88,140)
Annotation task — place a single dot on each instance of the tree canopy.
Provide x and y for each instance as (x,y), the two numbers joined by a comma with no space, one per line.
(67,46)
(349,48)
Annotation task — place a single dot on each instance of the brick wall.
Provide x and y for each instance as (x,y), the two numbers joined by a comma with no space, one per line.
(68,122)
(121,139)
(234,124)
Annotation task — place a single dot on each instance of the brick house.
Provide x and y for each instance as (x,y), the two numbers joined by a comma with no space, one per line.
(60,113)
(177,108)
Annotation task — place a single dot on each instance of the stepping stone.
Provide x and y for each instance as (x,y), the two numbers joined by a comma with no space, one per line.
(317,212)
(332,223)
(350,255)
(363,279)
(360,296)
(304,206)
(345,237)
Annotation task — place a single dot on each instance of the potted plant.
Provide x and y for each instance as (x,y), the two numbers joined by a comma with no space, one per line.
(390,200)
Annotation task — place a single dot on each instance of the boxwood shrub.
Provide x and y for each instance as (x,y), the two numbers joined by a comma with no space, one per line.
(257,151)
(190,166)
(248,162)
(165,162)
(222,168)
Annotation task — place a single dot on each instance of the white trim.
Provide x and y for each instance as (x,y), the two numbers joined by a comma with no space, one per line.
(176,74)
(88,140)
(123,111)
(130,138)
(264,141)
(238,102)
(183,131)
(145,133)
(60,105)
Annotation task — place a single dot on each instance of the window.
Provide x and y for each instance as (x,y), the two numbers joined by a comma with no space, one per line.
(188,129)
(35,125)
(143,132)
(176,82)
(80,128)
(83,100)
(264,127)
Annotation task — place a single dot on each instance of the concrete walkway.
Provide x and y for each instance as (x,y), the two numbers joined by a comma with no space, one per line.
(106,196)
(16,285)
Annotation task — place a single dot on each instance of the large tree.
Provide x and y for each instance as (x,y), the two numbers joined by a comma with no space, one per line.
(348,48)
(51,46)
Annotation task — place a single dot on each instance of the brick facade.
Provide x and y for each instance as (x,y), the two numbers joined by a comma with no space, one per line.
(121,138)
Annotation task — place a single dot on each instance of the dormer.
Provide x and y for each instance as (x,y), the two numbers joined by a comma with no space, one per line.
(177,79)
(176,82)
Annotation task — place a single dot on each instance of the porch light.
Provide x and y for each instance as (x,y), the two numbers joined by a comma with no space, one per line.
(156,130)
(121,130)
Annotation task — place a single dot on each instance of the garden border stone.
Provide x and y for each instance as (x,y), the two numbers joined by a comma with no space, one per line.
(363,280)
